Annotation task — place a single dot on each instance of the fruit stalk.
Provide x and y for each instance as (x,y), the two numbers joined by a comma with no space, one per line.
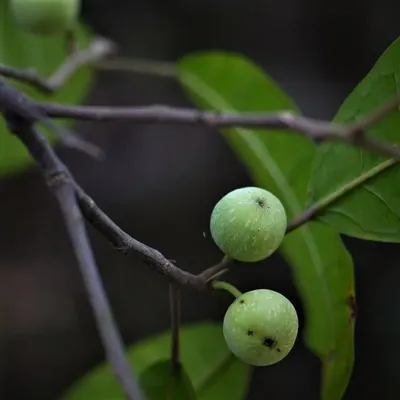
(228,287)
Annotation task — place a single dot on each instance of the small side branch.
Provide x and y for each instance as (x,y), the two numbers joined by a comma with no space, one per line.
(15,101)
(215,271)
(28,76)
(99,49)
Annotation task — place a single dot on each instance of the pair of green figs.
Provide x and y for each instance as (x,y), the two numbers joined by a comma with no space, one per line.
(260,327)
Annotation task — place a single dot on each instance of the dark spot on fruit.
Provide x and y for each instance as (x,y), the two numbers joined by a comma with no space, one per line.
(250,332)
(269,342)
(241,301)
(260,202)
(278,350)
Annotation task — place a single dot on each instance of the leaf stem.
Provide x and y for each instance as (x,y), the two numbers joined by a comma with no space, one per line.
(356,182)
(320,205)
(228,287)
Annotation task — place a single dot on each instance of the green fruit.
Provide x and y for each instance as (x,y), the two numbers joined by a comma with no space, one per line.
(46,17)
(248,224)
(260,327)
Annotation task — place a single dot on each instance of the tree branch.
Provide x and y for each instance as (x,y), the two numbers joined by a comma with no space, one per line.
(45,156)
(61,183)
(28,76)
(125,243)
(353,134)
(313,129)
(111,338)
(76,204)
(28,109)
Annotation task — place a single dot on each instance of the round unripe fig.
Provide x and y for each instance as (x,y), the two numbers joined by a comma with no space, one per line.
(45,17)
(260,327)
(248,224)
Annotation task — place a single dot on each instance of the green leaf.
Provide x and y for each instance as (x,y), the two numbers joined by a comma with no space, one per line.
(281,162)
(45,54)
(158,383)
(372,210)
(214,372)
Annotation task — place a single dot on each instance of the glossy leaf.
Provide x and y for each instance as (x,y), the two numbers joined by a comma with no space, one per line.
(45,54)
(214,372)
(159,383)
(372,210)
(281,162)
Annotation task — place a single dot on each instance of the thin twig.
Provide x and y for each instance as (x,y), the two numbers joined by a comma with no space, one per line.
(125,243)
(19,103)
(61,183)
(175,310)
(310,128)
(216,270)
(161,114)
(28,76)
(354,134)
(161,69)
(98,49)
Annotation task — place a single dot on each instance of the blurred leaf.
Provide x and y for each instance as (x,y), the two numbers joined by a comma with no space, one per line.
(214,372)
(372,211)
(45,54)
(158,383)
(281,162)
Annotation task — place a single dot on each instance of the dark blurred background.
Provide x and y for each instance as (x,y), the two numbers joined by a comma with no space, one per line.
(160,184)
